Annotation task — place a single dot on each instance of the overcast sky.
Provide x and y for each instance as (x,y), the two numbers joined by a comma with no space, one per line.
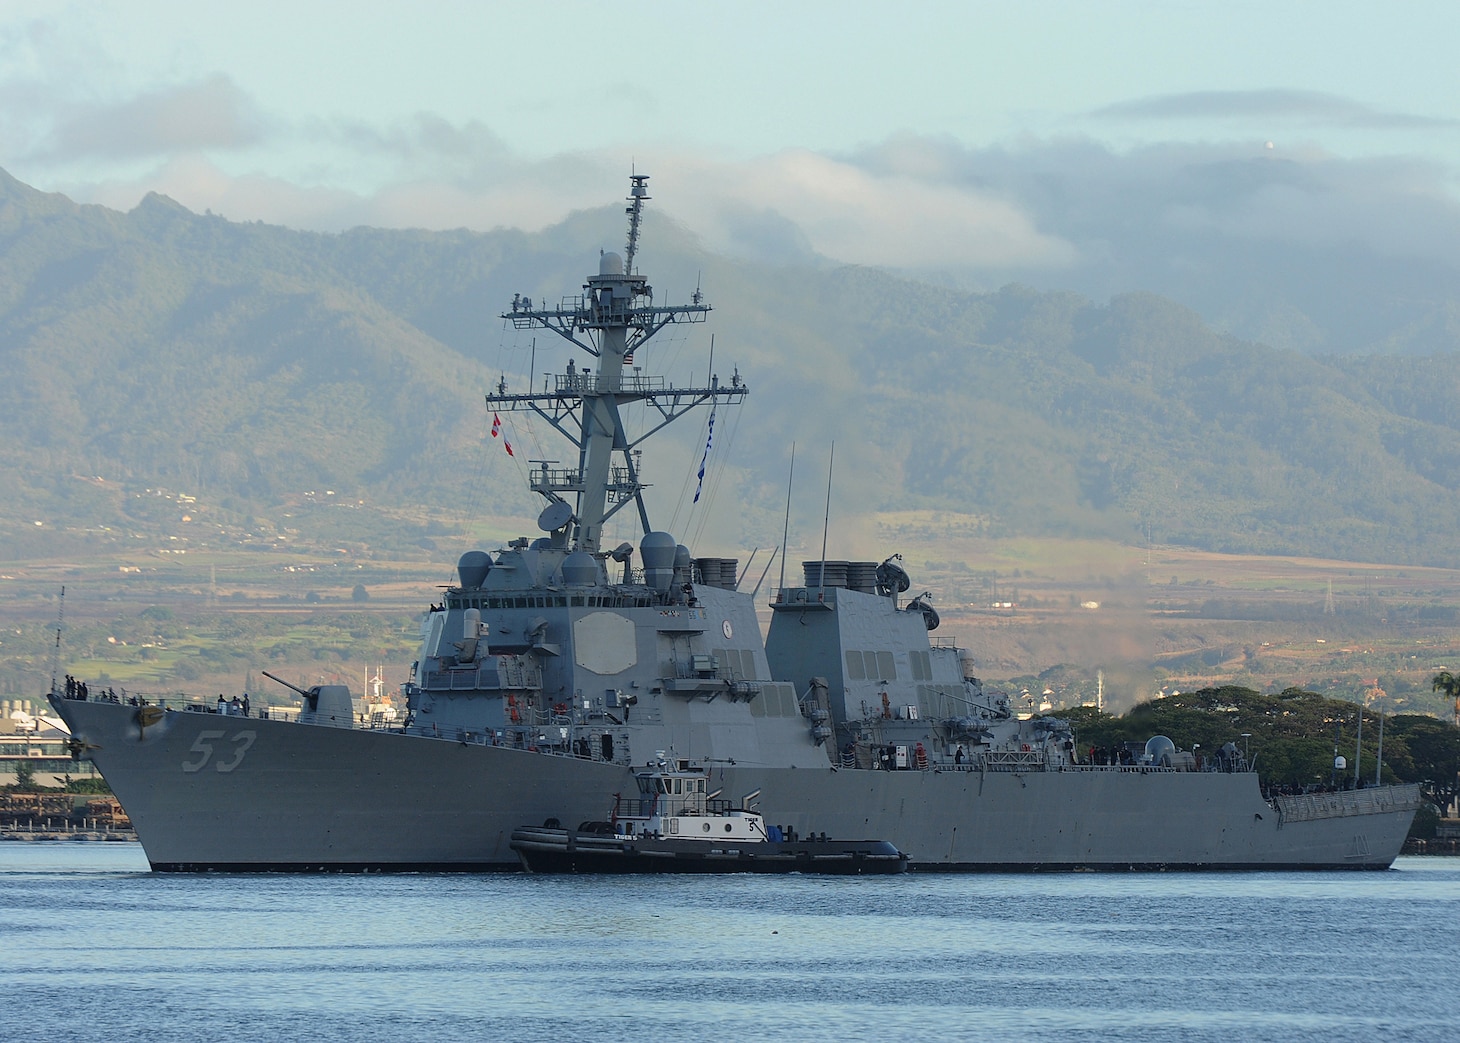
(996,136)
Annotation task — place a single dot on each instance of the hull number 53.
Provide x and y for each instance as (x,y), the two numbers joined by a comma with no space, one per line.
(229,752)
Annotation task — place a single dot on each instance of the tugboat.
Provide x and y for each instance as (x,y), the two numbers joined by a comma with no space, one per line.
(675,825)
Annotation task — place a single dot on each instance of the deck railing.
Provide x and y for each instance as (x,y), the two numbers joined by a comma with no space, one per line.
(1309,806)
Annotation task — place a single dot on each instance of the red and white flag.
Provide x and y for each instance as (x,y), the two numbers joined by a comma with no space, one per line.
(497,433)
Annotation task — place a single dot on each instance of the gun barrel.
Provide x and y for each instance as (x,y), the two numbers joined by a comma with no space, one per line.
(283,682)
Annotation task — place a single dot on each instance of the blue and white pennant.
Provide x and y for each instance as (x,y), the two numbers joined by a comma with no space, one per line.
(709,440)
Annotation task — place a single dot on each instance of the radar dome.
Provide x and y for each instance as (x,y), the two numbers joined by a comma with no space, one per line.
(473,568)
(1160,750)
(580,569)
(656,550)
(610,264)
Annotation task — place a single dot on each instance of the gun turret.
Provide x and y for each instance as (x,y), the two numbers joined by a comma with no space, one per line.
(286,684)
(323,704)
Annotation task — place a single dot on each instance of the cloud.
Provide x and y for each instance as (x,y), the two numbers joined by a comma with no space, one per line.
(792,206)
(762,234)
(1312,107)
(1089,194)
(1297,247)
(909,202)
(858,214)
(212,113)
(516,195)
(423,135)
(200,185)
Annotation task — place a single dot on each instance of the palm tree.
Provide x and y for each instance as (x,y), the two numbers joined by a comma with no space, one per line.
(1448,683)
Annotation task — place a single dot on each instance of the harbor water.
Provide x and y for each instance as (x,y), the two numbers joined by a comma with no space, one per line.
(94,947)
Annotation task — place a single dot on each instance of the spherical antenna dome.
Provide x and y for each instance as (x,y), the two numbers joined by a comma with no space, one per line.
(580,569)
(473,568)
(610,264)
(1160,750)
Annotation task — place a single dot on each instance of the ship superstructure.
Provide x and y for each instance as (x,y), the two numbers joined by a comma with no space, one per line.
(560,643)
(557,665)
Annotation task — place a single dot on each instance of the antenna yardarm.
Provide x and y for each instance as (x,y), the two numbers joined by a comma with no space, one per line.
(612,318)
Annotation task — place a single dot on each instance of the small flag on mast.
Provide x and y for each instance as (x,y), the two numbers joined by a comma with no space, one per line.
(497,433)
(709,439)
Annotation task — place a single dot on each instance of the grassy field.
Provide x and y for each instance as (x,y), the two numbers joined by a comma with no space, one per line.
(1165,618)
(1065,616)
(213,622)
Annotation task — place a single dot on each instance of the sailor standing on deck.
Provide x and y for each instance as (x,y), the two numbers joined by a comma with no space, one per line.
(222,704)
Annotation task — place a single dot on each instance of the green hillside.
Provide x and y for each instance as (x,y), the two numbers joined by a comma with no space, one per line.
(276,377)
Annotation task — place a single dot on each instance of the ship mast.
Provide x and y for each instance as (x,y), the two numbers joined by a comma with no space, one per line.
(611,319)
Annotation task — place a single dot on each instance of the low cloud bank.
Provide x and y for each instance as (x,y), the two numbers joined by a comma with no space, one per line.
(1291,245)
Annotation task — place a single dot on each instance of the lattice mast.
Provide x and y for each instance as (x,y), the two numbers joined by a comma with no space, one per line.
(611,320)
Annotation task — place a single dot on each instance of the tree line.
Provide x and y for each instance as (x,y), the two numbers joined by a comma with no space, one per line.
(1291,738)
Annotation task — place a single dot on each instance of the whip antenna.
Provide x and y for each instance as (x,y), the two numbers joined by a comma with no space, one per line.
(60,623)
(786,531)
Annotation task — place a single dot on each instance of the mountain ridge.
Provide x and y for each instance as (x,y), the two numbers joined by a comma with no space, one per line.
(249,363)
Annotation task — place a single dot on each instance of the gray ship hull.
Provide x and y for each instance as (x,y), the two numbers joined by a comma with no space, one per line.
(211,792)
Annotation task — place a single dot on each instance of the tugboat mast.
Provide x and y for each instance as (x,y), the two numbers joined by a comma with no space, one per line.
(611,319)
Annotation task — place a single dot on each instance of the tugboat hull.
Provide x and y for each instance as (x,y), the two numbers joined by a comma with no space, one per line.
(544,850)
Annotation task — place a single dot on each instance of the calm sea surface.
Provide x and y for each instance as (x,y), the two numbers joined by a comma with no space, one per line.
(94,947)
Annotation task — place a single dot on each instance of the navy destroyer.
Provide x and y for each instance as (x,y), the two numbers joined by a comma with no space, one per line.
(558,666)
